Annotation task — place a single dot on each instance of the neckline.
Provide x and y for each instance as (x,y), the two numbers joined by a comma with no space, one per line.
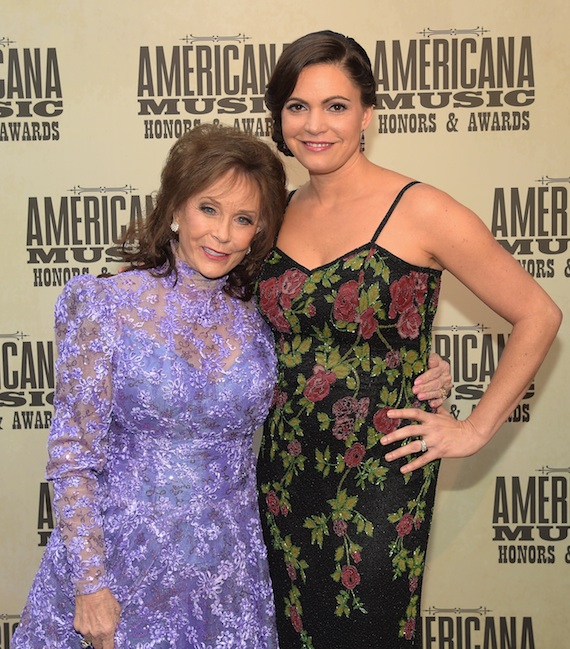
(369,245)
(189,274)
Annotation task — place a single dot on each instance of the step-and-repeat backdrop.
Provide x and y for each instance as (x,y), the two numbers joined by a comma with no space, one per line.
(472,97)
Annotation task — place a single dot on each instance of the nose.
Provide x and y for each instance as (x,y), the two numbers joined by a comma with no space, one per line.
(222,230)
(315,122)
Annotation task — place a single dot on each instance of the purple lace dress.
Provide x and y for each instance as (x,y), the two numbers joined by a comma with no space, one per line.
(160,388)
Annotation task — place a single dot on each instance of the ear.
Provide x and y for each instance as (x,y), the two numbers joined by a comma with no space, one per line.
(367,117)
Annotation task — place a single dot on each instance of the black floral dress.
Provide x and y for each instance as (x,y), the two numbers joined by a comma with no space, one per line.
(346,532)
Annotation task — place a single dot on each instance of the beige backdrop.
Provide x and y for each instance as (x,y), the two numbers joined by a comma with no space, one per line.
(473,98)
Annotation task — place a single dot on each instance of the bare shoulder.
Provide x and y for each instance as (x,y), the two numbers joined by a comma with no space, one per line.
(437,214)
(431,200)
(429,224)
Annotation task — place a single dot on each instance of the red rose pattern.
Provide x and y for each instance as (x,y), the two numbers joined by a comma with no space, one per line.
(280,398)
(353,456)
(350,577)
(407,294)
(272,502)
(393,359)
(278,294)
(346,410)
(402,294)
(346,302)
(269,304)
(368,323)
(405,308)
(296,619)
(291,571)
(344,406)
(343,427)
(340,527)
(409,324)
(410,628)
(383,423)
(290,285)
(294,447)
(319,385)
(405,525)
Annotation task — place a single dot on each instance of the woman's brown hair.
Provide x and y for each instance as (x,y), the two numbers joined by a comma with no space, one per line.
(197,160)
(312,49)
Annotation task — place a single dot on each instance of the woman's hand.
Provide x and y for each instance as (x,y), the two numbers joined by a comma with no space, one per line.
(442,435)
(96,618)
(435,384)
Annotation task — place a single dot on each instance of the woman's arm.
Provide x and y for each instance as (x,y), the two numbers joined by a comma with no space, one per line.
(84,327)
(457,240)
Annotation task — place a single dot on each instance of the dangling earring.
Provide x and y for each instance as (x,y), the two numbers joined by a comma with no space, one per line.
(174,226)
(248,250)
(362,143)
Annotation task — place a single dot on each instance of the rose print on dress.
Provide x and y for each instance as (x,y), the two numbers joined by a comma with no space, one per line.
(408,293)
(318,386)
(357,334)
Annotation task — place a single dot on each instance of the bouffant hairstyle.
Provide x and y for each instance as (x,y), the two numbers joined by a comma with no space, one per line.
(312,49)
(198,159)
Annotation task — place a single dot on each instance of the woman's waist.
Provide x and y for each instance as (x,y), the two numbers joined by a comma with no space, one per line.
(180,475)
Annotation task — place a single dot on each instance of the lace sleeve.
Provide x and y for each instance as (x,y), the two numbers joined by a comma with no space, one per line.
(84,332)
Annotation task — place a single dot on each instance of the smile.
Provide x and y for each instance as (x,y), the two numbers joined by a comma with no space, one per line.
(214,253)
(317,146)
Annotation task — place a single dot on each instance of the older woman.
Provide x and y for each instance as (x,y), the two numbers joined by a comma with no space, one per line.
(164,373)
(350,290)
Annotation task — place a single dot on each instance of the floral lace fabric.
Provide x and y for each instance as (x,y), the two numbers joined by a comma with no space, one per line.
(346,532)
(160,387)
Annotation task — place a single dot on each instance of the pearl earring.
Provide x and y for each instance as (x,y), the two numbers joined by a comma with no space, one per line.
(174,226)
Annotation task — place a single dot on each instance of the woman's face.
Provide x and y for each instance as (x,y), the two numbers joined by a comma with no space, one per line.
(323,119)
(217,225)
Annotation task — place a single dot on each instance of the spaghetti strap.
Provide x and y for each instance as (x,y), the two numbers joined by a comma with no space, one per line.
(392,208)
(289,197)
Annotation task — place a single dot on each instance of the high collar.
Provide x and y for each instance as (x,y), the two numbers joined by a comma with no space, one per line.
(187,274)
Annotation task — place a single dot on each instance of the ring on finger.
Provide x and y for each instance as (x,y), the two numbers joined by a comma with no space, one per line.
(424,445)
(443,393)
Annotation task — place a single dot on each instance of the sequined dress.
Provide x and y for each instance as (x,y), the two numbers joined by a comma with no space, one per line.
(159,390)
(346,532)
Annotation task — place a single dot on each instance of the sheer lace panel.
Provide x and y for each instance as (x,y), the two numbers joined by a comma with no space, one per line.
(138,317)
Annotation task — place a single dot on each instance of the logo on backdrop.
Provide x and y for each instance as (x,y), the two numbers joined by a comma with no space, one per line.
(445,628)
(530,521)
(8,624)
(454,80)
(46,519)
(31,97)
(80,232)
(473,353)
(27,380)
(210,78)
(532,224)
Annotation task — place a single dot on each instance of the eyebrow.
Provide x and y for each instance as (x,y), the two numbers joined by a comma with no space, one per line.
(325,101)
(212,199)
